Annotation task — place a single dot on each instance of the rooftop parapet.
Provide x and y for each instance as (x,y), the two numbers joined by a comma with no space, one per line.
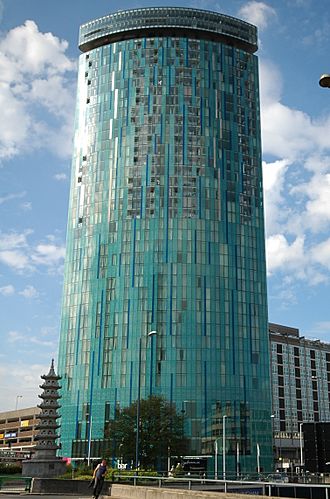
(168,21)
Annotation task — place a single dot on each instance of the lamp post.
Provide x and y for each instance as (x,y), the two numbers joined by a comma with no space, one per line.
(224,445)
(301,443)
(273,436)
(90,421)
(17,399)
(216,459)
(137,438)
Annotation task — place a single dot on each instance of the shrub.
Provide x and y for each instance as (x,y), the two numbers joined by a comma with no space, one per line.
(10,468)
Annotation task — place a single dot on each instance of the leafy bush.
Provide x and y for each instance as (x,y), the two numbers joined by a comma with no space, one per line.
(80,473)
(10,469)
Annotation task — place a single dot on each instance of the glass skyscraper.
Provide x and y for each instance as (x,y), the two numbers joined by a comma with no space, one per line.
(166,233)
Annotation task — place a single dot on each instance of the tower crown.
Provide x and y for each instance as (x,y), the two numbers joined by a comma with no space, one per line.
(168,21)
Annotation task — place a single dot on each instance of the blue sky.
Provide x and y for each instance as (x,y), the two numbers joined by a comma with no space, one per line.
(38,63)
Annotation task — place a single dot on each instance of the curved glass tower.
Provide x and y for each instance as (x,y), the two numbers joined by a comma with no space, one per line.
(166,233)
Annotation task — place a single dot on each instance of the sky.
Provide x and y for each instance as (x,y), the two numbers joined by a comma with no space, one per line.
(38,69)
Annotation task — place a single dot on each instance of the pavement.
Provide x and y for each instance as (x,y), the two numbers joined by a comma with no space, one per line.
(43,496)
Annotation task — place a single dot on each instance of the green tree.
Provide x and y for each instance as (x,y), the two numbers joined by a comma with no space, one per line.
(161,431)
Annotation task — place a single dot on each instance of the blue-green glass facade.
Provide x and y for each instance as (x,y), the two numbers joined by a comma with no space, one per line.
(166,232)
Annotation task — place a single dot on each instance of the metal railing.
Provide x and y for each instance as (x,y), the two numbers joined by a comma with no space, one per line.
(265,488)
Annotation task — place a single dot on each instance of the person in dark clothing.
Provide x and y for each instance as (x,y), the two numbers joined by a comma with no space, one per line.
(98,476)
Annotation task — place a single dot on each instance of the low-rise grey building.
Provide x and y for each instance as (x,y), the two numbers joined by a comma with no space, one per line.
(300,374)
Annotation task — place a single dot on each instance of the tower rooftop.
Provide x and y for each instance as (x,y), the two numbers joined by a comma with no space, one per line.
(168,21)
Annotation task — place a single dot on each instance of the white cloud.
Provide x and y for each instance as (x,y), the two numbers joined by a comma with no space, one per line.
(13,240)
(14,336)
(26,206)
(286,132)
(48,254)
(9,197)
(29,292)
(35,52)
(274,184)
(316,191)
(258,13)
(60,176)
(19,254)
(15,259)
(7,290)
(24,379)
(296,185)
(36,92)
(321,253)
(280,253)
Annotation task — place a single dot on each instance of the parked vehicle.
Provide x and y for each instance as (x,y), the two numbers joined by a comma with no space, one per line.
(278,477)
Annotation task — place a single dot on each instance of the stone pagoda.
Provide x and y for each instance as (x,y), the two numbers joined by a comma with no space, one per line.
(44,463)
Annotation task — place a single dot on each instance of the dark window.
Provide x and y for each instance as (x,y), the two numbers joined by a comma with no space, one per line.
(296,351)
(296,361)
(297,372)
(281,392)
(299,415)
(280,370)
(299,405)
(282,414)
(312,354)
(298,394)
(279,348)
(281,381)
(282,426)
(298,383)
(279,359)
(281,404)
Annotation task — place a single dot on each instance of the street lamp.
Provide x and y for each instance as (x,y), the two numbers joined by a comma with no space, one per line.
(216,459)
(273,436)
(324,81)
(150,334)
(224,445)
(90,423)
(301,443)
(17,399)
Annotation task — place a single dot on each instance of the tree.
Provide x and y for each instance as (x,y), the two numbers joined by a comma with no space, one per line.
(161,431)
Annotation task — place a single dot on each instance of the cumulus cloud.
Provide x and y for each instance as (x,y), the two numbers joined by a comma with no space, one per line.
(29,292)
(48,254)
(296,185)
(321,253)
(281,253)
(60,176)
(36,92)
(258,13)
(274,184)
(18,253)
(7,290)
(24,379)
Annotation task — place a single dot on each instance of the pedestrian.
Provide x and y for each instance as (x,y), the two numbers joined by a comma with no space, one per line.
(98,477)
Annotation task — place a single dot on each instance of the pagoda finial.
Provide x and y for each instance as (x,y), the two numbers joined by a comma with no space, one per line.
(52,369)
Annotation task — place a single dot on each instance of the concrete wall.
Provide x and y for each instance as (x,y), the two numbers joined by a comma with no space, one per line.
(128,491)
(54,486)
